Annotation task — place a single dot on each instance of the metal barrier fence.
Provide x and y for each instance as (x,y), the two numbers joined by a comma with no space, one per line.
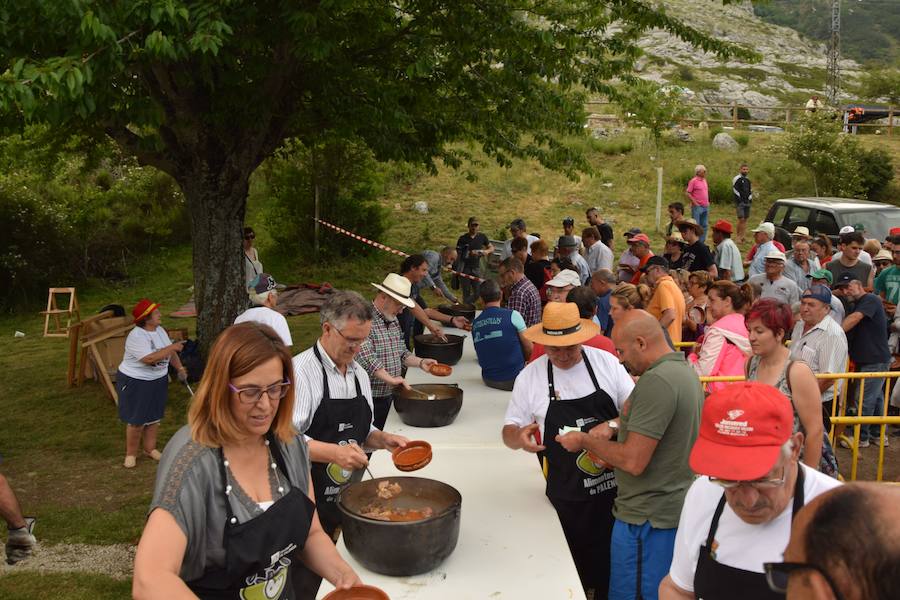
(839,408)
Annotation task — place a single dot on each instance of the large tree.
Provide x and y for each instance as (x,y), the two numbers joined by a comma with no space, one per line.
(206,90)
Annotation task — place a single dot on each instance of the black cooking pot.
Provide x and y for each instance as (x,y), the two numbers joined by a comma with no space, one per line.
(416,410)
(459,310)
(407,547)
(431,346)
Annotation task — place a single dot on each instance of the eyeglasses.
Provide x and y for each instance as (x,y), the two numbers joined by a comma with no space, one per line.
(778,575)
(353,343)
(253,394)
(764,483)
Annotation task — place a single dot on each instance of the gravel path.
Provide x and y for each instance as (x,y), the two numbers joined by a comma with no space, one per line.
(116,560)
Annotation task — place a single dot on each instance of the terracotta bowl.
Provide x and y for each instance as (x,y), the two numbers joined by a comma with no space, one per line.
(358,592)
(441,370)
(416,455)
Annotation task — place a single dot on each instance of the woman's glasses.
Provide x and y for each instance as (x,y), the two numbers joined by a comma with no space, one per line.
(253,394)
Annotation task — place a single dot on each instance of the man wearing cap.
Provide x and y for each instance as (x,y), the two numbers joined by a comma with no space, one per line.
(866,329)
(697,256)
(848,260)
(571,388)
(640,248)
(887,283)
(737,515)
(568,224)
(628,262)
(819,341)
(383,354)
(824,277)
(774,284)
(606,232)
(727,256)
(697,192)
(470,248)
(863,256)
(675,245)
(558,288)
(264,298)
(763,236)
(596,253)
(743,197)
(667,303)
(801,263)
(882,260)
(517,229)
(567,247)
(522,295)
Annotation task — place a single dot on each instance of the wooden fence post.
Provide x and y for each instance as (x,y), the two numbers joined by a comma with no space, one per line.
(734,111)
(890,120)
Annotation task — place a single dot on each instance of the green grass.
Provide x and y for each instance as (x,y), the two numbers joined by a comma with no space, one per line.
(63,448)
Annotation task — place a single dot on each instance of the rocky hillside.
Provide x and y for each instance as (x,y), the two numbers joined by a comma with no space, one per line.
(791,69)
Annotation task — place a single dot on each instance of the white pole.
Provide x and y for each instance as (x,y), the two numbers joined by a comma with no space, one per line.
(317,221)
(659,182)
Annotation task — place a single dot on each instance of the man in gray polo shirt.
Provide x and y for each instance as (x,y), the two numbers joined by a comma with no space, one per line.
(819,341)
(774,284)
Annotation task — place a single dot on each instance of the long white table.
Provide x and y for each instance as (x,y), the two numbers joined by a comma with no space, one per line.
(510,542)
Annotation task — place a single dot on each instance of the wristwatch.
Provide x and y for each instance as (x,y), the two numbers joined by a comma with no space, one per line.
(613,424)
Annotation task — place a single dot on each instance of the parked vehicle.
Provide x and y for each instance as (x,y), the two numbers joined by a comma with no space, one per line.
(827,216)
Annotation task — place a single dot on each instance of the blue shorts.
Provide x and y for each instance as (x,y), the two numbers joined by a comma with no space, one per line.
(743,211)
(640,557)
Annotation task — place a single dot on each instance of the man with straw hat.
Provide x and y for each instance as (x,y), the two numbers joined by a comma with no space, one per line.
(383,355)
(570,388)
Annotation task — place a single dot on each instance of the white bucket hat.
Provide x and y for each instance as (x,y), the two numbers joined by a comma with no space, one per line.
(397,287)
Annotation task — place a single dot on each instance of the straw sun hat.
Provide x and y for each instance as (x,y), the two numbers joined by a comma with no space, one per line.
(562,326)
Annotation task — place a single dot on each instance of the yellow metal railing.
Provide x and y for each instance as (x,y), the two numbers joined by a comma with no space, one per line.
(838,410)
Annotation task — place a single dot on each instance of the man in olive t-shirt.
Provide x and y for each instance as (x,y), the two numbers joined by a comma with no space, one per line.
(656,430)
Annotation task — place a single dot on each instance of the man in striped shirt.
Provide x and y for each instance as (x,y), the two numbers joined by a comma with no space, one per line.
(819,341)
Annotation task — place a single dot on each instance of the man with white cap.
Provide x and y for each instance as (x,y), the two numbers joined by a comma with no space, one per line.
(773,283)
(863,256)
(763,236)
(571,388)
(383,355)
(737,515)
(264,298)
(558,287)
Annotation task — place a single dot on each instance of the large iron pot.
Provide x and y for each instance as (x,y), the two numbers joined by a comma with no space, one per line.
(417,410)
(431,346)
(406,547)
(459,310)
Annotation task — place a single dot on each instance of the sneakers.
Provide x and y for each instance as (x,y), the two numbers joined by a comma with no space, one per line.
(130,462)
(21,542)
(846,441)
(154,454)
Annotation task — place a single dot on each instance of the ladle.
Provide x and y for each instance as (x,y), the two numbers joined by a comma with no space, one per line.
(423,394)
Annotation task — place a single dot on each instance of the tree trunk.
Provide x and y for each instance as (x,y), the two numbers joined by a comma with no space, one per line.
(217,202)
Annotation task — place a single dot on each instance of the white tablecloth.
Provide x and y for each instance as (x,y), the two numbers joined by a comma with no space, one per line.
(510,542)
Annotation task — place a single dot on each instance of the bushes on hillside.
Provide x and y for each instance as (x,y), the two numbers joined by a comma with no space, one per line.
(719,187)
(75,213)
(350,181)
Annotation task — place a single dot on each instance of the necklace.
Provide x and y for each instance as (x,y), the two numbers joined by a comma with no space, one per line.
(272,465)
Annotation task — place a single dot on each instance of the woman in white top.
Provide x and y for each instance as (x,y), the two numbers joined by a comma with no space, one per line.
(252,266)
(142,380)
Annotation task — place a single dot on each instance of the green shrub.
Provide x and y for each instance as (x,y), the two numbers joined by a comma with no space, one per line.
(742,139)
(685,73)
(719,187)
(350,181)
(613,147)
(713,132)
(876,171)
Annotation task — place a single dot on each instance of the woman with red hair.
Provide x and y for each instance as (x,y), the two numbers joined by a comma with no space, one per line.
(767,323)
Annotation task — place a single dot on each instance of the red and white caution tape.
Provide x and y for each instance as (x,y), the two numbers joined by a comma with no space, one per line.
(381,246)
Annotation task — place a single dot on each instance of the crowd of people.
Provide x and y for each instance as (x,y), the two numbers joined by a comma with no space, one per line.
(663,488)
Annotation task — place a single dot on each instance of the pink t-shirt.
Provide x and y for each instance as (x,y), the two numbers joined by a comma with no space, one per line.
(698,190)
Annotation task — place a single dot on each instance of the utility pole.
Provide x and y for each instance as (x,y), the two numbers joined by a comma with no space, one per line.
(834,54)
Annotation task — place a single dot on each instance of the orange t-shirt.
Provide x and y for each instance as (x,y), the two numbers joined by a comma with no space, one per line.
(668,295)
(636,278)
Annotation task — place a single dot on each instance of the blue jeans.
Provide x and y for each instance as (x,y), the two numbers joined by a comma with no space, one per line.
(701,215)
(873,399)
(640,557)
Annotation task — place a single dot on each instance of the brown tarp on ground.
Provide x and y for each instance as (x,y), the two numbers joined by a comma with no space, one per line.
(298,299)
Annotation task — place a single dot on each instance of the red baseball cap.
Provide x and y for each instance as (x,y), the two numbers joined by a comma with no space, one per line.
(742,430)
(723,225)
(641,237)
(894,231)
(143,308)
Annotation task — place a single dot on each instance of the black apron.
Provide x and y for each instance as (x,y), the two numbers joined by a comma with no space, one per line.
(582,493)
(336,421)
(714,581)
(258,552)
